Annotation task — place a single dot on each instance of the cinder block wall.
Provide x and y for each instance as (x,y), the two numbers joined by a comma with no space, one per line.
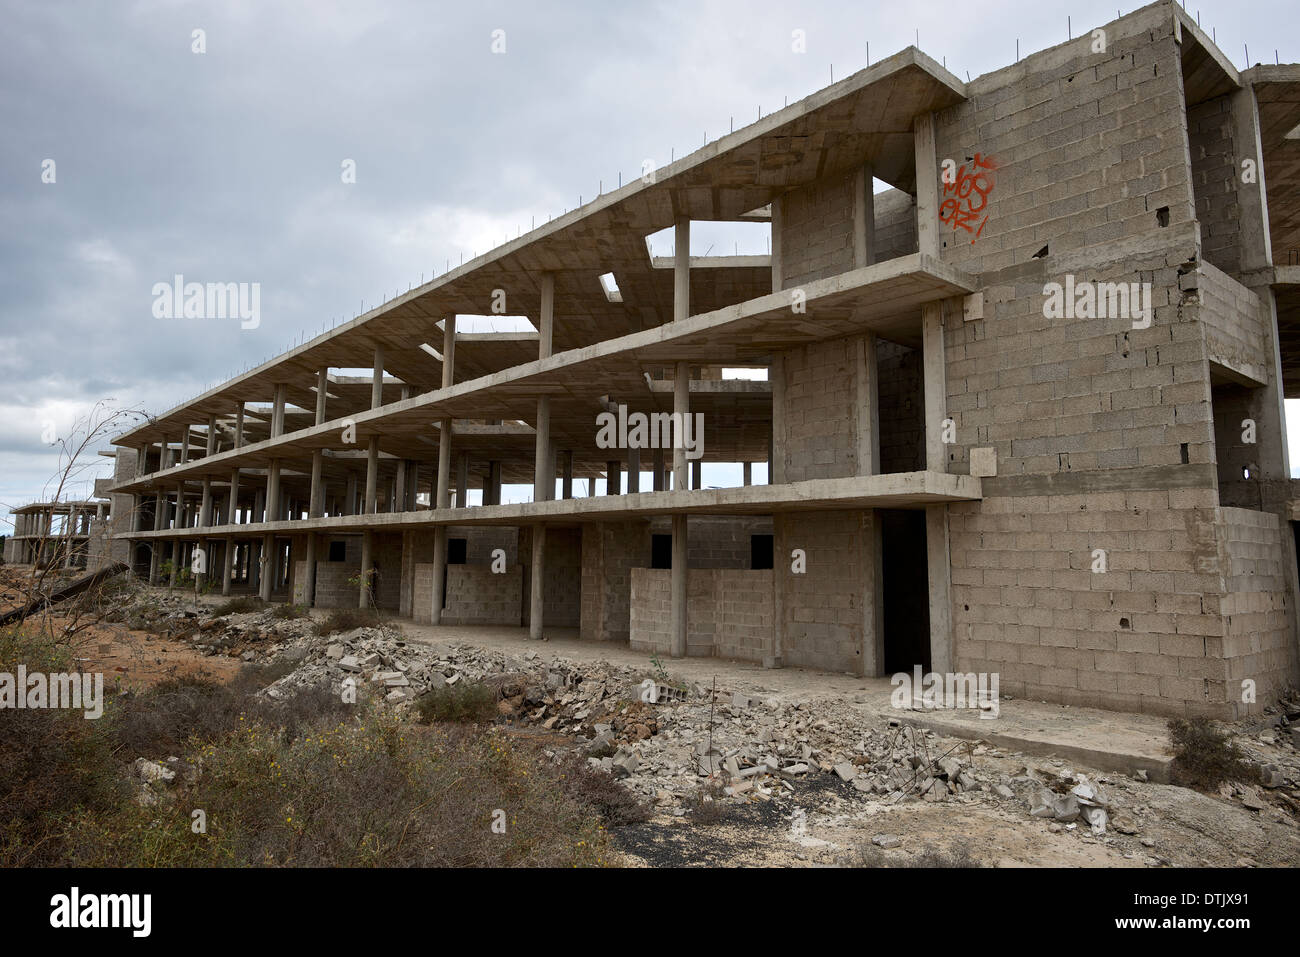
(562,590)
(729,612)
(1088,146)
(820,402)
(476,595)
(1256,638)
(717,541)
(816,230)
(902,408)
(821,611)
(1215,173)
(610,551)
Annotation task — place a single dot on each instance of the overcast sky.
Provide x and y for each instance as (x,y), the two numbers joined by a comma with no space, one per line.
(225,166)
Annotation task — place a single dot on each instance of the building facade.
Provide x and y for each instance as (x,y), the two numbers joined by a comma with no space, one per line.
(1019,412)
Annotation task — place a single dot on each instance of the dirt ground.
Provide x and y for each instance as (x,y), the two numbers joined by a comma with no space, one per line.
(819,820)
(825,822)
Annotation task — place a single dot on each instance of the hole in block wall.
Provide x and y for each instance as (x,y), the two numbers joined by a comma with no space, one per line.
(1162,215)
(1182,453)
(1124,624)
(1041,253)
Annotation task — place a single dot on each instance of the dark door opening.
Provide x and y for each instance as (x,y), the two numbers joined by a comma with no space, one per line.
(906,587)
(760,551)
(661,551)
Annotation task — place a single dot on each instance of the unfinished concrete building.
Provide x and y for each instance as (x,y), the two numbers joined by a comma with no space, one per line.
(70,534)
(1022,413)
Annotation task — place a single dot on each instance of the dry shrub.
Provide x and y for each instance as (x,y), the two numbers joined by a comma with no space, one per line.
(1204,757)
(363,793)
(461,703)
(597,789)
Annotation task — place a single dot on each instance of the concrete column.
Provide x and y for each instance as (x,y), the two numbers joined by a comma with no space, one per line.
(185,446)
(205,509)
(372,476)
(659,470)
(679,591)
(864,218)
(259,507)
(441,499)
(776,455)
(697,474)
(377,380)
(462,480)
(494,482)
(537,583)
(613,476)
(367,568)
(239,425)
(315,505)
(633,470)
(935,386)
(309,577)
(351,494)
(927,187)
(228,565)
(543,476)
(936,516)
(682,269)
(322,393)
(266,573)
(873,606)
(274,507)
(940,575)
(233,517)
(778,217)
(543,473)
(155,546)
(212,436)
(277,410)
(566,474)
(748,472)
(866,408)
(413,485)
(399,487)
(681,409)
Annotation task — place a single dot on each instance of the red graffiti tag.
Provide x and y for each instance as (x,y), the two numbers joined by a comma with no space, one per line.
(968,195)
